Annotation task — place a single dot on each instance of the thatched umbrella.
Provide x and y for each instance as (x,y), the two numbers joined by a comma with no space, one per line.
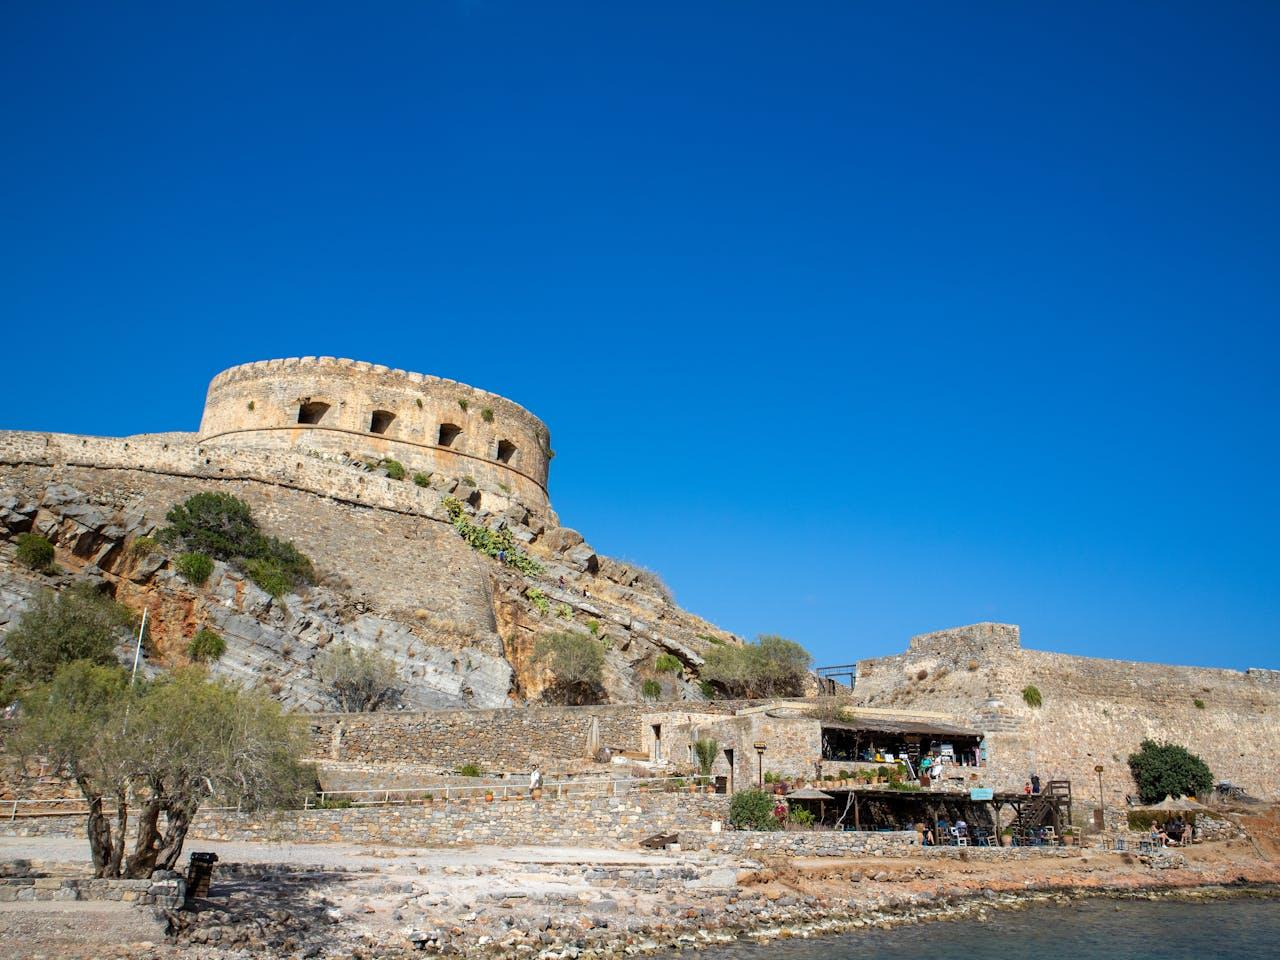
(1181,804)
(808,793)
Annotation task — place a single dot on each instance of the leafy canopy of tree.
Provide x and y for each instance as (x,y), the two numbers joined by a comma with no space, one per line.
(1167,769)
(221,526)
(770,667)
(576,661)
(80,623)
(159,748)
(358,681)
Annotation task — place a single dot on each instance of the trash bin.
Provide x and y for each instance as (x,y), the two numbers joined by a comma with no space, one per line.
(199,873)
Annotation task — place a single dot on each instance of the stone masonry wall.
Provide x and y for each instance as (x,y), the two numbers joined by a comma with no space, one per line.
(257,405)
(497,740)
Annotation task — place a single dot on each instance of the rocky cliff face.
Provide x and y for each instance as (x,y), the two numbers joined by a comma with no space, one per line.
(394,574)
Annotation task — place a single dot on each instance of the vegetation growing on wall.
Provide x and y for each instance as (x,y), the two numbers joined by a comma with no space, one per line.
(35,552)
(1031,696)
(421,479)
(651,689)
(539,600)
(487,415)
(499,544)
(394,468)
(1167,769)
(222,527)
(770,667)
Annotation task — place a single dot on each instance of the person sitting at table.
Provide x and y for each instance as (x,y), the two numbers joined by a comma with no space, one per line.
(1158,834)
(944,830)
(1175,828)
(962,828)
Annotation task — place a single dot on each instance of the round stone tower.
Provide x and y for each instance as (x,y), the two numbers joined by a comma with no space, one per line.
(356,409)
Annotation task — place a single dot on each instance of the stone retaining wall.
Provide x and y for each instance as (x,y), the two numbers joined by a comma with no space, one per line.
(852,843)
(571,821)
(167,891)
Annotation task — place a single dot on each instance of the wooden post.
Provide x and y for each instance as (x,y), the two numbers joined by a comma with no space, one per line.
(995,819)
(857,822)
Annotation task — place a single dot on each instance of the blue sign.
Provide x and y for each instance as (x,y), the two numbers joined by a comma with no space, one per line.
(981,793)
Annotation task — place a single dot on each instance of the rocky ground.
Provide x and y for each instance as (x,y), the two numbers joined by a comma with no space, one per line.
(340,900)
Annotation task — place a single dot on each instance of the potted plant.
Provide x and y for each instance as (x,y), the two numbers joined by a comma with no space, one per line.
(537,793)
(488,796)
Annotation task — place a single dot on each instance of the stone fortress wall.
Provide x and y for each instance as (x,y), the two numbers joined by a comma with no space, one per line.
(353,408)
(1094,711)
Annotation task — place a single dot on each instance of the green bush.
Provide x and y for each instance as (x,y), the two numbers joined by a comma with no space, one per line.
(801,817)
(463,404)
(752,810)
(222,527)
(486,415)
(35,552)
(564,611)
(194,567)
(708,689)
(334,803)
(539,600)
(394,468)
(80,623)
(1162,769)
(269,576)
(1031,696)
(593,626)
(470,770)
(667,663)
(904,786)
(421,479)
(651,689)
(206,646)
(1199,703)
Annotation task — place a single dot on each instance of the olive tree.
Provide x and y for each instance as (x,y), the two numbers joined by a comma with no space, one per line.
(358,681)
(159,749)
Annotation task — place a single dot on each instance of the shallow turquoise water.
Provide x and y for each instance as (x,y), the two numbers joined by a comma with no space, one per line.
(1243,929)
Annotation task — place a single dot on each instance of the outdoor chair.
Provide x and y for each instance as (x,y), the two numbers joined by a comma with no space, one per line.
(983,838)
(1050,835)
(958,838)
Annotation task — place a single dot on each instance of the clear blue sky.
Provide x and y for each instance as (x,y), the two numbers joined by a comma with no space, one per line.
(854,320)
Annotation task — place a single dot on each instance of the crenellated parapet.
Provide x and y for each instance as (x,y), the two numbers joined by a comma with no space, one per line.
(357,409)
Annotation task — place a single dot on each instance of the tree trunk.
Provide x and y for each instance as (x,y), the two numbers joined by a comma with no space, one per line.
(117,843)
(181,812)
(142,862)
(98,828)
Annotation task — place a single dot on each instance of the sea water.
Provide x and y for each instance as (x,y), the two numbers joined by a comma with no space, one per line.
(1100,929)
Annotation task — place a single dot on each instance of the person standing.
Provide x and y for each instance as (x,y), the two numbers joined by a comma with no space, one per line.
(535,779)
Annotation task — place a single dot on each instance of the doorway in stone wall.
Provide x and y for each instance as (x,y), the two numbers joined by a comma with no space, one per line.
(728,755)
(657,742)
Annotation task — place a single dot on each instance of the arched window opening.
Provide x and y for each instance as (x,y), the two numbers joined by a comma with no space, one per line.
(506,451)
(449,432)
(312,411)
(380,420)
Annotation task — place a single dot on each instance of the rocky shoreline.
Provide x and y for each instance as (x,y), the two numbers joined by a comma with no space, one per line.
(623,918)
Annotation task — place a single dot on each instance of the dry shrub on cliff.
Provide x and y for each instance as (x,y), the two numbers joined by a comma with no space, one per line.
(358,681)
(770,667)
(576,661)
